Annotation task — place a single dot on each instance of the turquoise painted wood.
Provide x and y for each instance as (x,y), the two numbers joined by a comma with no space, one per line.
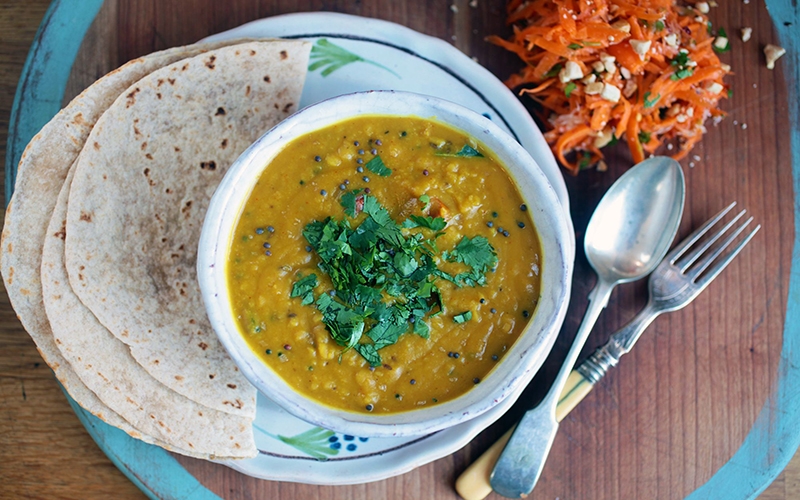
(151,469)
(44,76)
(775,436)
(769,446)
(38,98)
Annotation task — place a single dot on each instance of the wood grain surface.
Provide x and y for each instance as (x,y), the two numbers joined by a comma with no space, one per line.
(658,426)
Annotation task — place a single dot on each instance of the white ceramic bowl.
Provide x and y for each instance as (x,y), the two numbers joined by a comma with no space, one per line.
(519,364)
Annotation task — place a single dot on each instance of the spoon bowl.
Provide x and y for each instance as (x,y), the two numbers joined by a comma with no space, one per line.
(629,232)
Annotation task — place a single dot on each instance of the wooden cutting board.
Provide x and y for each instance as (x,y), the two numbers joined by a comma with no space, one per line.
(702,384)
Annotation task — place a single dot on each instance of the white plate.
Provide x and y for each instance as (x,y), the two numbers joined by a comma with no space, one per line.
(352,54)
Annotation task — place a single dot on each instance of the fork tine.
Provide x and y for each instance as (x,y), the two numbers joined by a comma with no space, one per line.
(703,261)
(717,268)
(690,240)
(691,257)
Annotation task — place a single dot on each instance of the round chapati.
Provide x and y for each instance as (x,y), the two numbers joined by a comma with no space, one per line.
(105,365)
(136,206)
(40,175)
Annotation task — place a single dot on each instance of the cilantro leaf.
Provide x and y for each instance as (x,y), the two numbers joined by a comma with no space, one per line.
(585,160)
(682,68)
(463,317)
(465,152)
(644,137)
(569,88)
(432,223)
(422,329)
(370,353)
(553,71)
(376,165)
(659,25)
(477,253)
(574,46)
(348,202)
(649,103)
(405,264)
(304,288)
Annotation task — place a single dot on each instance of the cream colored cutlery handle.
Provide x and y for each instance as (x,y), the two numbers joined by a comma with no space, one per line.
(575,389)
(473,483)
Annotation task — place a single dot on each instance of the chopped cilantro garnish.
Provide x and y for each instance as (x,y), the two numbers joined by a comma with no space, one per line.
(585,161)
(425,199)
(553,71)
(463,317)
(304,287)
(384,280)
(351,203)
(721,34)
(478,254)
(644,137)
(649,103)
(466,152)
(376,165)
(682,69)
(574,46)
(436,224)
(569,88)
(659,25)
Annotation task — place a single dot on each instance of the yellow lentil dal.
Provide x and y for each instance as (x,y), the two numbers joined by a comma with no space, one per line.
(306,182)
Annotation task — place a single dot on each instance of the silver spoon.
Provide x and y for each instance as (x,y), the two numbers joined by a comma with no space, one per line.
(628,235)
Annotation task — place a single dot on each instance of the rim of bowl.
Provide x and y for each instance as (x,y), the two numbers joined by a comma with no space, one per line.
(517,366)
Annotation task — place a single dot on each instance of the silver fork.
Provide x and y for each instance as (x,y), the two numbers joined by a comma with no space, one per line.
(685,272)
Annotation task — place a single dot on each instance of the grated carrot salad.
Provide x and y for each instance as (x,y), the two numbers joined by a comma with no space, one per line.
(603,70)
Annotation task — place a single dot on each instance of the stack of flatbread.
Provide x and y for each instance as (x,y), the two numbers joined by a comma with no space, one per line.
(100,238)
